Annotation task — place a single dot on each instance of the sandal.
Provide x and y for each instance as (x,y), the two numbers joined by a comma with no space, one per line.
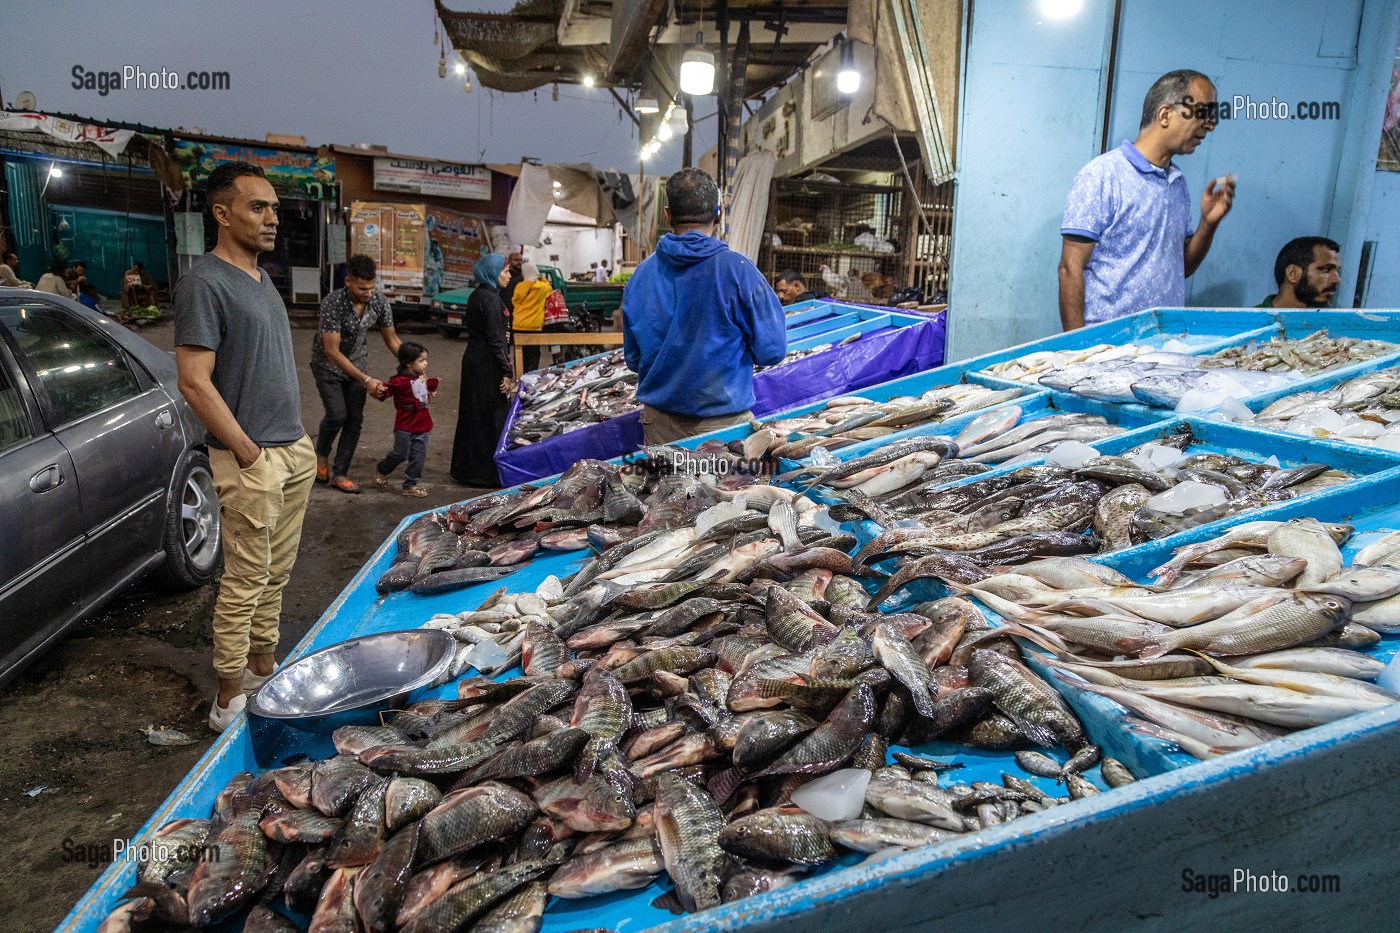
(416,492)
(346,485)
(381,481)
(323,475)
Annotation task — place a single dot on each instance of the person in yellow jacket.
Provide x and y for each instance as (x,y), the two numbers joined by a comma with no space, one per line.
(529,298)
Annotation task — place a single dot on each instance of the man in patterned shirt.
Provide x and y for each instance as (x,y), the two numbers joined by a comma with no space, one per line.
(1128,241)
(339,362)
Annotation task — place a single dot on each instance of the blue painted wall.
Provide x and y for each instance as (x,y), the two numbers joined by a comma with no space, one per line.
(1032,104)
(1029,121)
(1384,228)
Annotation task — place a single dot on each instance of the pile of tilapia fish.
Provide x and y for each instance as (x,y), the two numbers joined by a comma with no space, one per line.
(1364,410)
(710,704)
(1163,379)
(939,525)
(560,399)
(1249,636)
(592,504)
(851,419)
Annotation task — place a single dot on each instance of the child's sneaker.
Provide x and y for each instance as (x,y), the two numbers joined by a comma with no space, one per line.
(416,492)
(381,481)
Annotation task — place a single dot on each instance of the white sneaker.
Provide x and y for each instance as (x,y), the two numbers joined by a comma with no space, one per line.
(221,716)
(251,681)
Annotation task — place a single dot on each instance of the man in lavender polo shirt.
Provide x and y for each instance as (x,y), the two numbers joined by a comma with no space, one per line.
(1128,240)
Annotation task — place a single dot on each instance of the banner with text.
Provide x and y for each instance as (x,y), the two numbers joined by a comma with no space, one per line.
(440,179)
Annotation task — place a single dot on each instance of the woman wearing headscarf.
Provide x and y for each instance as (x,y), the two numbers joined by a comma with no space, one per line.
(486,372)
(530,296)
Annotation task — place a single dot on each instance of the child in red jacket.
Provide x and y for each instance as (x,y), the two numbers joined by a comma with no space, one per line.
(412,423)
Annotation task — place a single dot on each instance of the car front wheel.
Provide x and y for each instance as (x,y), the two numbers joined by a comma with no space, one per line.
(191,528)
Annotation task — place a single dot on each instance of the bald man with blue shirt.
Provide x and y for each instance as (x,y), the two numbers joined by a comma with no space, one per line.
(1128,241)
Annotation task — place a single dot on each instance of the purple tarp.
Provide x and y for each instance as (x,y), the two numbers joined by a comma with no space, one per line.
(879,356)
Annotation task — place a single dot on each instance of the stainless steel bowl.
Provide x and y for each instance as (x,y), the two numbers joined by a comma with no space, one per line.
(348,684)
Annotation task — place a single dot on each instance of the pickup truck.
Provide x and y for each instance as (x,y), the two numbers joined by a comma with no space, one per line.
(585,300)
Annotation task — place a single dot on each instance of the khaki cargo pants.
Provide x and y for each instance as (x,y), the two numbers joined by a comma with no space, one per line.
(662,427)
(260,509)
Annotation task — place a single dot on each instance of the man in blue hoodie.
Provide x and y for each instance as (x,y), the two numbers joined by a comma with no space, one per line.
(696,320)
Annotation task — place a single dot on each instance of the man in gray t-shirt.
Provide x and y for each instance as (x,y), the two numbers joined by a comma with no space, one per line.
(233,347)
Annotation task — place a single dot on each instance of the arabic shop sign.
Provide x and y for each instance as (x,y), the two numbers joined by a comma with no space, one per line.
(302,175)
(440,179)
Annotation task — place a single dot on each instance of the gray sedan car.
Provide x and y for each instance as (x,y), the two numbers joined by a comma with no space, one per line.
(103,478)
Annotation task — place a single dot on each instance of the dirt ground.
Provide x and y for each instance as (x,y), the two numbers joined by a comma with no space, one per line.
(76,769)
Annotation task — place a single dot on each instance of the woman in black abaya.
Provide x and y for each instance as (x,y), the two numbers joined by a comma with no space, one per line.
(486,372)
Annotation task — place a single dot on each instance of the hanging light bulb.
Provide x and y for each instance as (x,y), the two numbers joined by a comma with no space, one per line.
(698,69)
(467,84)
(587,80)
(647,105)
(678,122)
(442,64)
(847,77)
(555,94)
(646,153)
(460,67)
(663,132)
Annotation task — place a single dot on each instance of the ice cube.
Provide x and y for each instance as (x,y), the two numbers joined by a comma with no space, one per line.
(1070,454)
(1389,442)
(821,457)
(1360,427)
(1321,421)
(1175,345)
(1154,457)
(1235,410)
(487,656)
(1198,399)
(1273,462)
(723,511)
(822,519)
(839,795)
(1187,496)
(1389,679)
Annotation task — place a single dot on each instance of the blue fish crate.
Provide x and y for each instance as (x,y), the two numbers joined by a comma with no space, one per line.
(1356,504)
(1293,325)
(1375,476)
(883,345)
(1320,383)
(1103,833)
(1193,331)
(1291,803)
(1200,331)
(1134,419)
(1369,468)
